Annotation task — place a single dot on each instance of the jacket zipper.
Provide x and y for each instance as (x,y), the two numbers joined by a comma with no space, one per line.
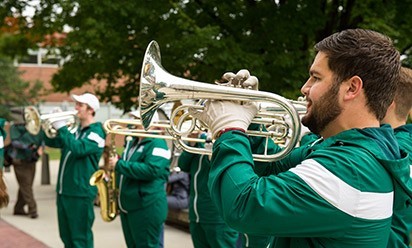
(62,171)
(195,189)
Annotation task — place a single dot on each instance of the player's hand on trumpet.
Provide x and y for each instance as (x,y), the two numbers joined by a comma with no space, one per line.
(225,115)
(60,123)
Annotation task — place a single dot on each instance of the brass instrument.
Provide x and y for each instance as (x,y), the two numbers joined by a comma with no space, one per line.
(34,121)
(105,181)
(157,87)
(165,130)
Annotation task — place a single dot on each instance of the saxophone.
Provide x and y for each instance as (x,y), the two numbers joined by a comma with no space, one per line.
(105,181)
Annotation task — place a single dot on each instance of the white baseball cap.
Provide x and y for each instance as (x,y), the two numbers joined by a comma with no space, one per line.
(88,99)
(135,114)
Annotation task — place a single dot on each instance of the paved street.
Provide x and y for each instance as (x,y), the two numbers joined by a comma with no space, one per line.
(21,231)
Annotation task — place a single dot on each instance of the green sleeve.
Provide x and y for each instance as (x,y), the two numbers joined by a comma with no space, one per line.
(154,165)
(3,132)
(185,160)
(275,204)
(260,146)
(296,155)
(93,143)
(2,122)
(52,142)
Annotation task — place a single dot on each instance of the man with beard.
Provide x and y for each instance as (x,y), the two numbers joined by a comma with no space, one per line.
(337,192)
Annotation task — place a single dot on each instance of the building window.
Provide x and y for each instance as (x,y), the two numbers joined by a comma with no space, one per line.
(41,57)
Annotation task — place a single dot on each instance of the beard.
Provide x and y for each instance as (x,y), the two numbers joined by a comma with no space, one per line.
(323,111)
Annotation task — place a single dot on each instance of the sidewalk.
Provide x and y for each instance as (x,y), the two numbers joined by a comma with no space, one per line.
(21,231)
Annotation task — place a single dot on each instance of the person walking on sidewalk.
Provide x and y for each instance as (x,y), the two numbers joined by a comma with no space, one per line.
(25,154)
(80,155)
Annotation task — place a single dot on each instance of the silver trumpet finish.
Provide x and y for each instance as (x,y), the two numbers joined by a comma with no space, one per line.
(157,87)
(34,121)
(160,130)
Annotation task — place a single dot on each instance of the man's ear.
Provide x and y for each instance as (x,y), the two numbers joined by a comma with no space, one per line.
(393,105)
(354,86)
(91,110)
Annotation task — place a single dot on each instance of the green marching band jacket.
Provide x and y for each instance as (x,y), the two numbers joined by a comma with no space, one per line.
(404,136)
(25,145)
(201,208)
(80,156)
(337,192)
(142,173)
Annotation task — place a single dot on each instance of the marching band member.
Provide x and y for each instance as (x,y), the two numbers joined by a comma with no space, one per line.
(396,116)
(207,227)
(340,193)
(142,172)
(26,149)
(80,155)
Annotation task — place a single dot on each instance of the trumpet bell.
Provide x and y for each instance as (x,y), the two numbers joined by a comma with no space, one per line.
(32,120)
(157,87)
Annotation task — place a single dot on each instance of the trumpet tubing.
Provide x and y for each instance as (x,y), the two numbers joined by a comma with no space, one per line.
(34,121)
(134,128)
(157,87)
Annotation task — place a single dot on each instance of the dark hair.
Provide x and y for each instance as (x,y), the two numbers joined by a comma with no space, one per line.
(94,112)
(369,55)
(403,95)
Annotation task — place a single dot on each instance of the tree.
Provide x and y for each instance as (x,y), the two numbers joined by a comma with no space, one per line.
(15,91)
(202,39)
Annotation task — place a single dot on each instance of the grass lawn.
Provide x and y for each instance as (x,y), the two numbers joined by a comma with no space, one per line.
(54,153)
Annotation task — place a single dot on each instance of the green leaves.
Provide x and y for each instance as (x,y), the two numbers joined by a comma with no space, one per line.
(203,39)
(15,91)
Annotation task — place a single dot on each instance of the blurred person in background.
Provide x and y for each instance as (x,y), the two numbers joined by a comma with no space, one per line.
(397,116)
(25,149)
(178,190)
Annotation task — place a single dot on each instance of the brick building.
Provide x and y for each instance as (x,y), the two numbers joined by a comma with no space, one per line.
(44,73)
(32,72)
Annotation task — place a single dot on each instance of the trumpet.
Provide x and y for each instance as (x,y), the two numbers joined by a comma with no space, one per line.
(157,87)
(34,121)
(159,130)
